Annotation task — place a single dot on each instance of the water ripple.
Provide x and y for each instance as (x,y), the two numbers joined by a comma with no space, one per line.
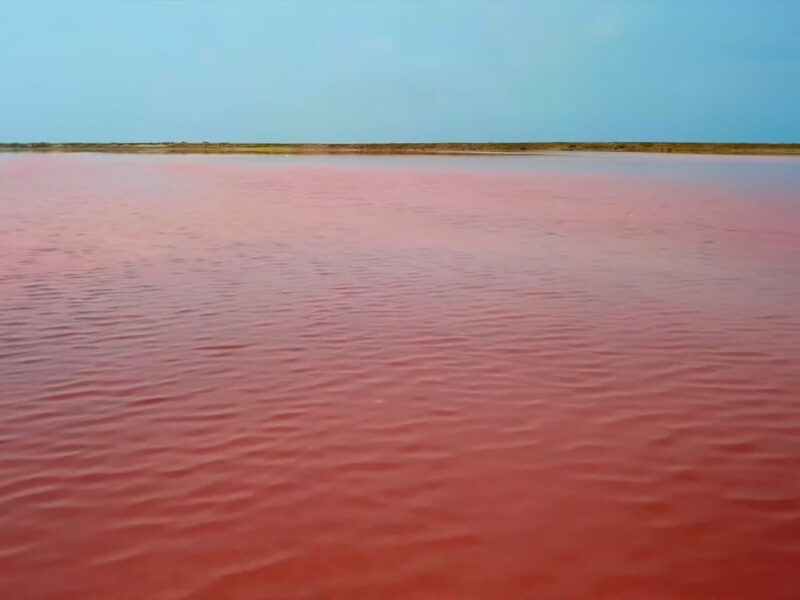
(234,378)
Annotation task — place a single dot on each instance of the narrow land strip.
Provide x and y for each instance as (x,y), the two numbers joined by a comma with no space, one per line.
(407,148)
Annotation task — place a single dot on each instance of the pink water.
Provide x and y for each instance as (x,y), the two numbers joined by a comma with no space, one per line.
(428,378)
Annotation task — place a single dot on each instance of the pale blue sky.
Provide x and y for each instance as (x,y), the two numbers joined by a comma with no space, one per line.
(408,70)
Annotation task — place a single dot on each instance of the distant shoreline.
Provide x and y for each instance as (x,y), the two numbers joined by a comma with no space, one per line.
(409,148)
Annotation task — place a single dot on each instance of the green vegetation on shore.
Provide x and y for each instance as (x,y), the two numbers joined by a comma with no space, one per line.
(408,148)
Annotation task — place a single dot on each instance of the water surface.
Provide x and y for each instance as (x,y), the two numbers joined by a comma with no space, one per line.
(554,376)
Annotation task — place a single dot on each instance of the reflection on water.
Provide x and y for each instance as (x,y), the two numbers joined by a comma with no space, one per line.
(413,377)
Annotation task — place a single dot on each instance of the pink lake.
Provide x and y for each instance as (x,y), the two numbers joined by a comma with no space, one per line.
(500,377)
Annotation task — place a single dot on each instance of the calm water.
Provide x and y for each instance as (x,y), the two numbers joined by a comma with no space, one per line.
(412,377)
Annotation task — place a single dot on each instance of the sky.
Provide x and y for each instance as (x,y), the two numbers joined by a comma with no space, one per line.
(404,70)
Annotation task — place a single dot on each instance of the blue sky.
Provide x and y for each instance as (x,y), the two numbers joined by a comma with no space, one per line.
(408,70)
